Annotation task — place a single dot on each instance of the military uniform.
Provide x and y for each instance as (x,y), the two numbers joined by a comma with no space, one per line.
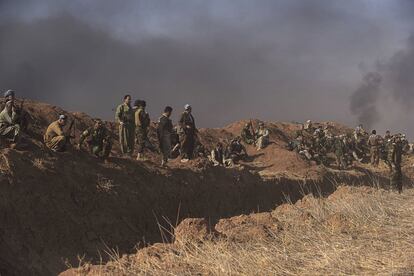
(263,138)
(247,135)
(187,124)
(142,123)
(340,151)
(395,157)
(164,132)
(374,142)
(55,138)
(236,151)
(8,126)
(125,114)
(98,140)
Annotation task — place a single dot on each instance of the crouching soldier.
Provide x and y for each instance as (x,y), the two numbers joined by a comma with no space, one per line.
(217,155)
(55,138)
(98,140)
(236,150)
(9,129)
(247,135)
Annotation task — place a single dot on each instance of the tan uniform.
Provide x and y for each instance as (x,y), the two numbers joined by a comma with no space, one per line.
(374,144)
(55,138)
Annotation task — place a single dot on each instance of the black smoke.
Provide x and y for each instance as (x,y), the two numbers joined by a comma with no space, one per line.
(365,98)
(276,60)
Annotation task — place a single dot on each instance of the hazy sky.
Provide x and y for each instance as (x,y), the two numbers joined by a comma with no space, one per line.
(285,60)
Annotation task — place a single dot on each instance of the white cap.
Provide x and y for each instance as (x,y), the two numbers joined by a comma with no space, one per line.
(62,117)
(187,106)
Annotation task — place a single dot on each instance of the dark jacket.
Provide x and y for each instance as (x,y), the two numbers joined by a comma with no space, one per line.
(187,123)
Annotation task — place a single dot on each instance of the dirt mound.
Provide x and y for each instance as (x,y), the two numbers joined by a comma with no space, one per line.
(56,207)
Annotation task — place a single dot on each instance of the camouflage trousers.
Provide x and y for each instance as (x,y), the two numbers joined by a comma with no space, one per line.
(142,141)
(396,177)
(341,161)
(103,150)
(11,132)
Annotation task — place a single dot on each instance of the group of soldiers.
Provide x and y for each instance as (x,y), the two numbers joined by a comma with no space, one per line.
(310,142)
(318,143)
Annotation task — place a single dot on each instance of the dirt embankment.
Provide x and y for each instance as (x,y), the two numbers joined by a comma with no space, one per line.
(56,207)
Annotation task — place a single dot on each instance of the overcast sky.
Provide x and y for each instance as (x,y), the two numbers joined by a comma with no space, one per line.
(278,60)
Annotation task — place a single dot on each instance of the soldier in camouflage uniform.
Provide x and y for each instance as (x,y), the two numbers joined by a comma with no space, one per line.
(21,116)
(98,140)
(142,123)
(340,151)
(9,128)
(247,134)
(374,142)
(394,151)
(124,116)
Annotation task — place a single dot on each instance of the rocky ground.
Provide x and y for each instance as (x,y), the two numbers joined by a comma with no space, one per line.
(57,209)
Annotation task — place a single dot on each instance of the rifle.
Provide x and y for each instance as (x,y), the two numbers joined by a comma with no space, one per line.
(21,105)
(253,131)
(69,132)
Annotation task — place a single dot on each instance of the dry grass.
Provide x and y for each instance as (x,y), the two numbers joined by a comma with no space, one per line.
(356,231)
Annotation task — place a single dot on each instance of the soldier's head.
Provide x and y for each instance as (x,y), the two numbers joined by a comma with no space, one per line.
(261,125)
(374,132)
(168,110)
(388,133)
(62,119)
(188,108)
(127,99)
(98,123)
(9,95)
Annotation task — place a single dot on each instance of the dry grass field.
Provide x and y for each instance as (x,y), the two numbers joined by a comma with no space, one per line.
(355,231)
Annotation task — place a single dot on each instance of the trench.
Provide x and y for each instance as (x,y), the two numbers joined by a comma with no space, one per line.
(77,208)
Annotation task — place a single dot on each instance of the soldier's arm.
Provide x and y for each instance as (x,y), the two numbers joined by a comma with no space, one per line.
(118,114)
(83,136)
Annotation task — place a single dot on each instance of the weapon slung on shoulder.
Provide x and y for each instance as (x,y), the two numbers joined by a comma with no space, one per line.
(69,132)
(253,131)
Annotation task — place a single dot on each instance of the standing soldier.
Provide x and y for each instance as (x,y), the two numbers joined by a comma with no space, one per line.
(395,158)
(374,141)
(262,136)
(125,117)
(9,129)
(164,132)
(55,138)
(142,123)
(98,139)
(340,151)
(188,126)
